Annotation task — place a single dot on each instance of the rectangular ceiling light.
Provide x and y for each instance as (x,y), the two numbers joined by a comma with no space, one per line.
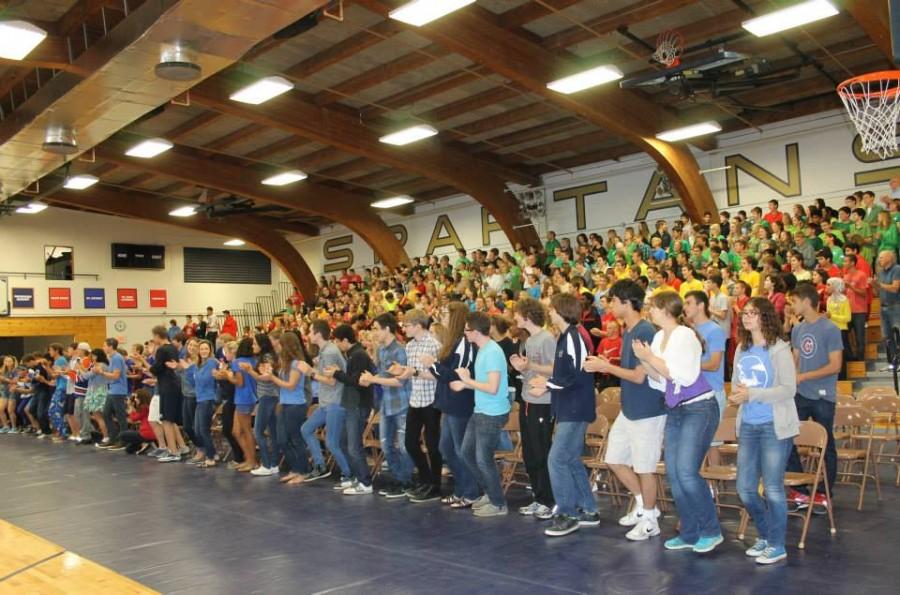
(790,17)
(389,203)
(263,90)
(149,148)
(80,182)
(409,135)
(677,134)
(183,212)
(234,242)
(586,80)
(420,12)
(18,38)
(285,178)
(32,208)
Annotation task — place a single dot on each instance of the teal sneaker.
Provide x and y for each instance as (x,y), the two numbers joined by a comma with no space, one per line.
(707,544)
(771,555)
(677,543)
(758,548)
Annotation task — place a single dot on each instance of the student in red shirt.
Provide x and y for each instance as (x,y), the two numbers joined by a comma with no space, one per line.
(139,440)
(857,283)
(774,215)
(611,348)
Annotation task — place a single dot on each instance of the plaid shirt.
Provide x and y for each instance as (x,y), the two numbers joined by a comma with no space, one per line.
(422,389)
(394,400)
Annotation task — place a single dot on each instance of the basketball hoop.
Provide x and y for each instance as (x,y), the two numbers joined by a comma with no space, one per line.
(873,103)
(669,45)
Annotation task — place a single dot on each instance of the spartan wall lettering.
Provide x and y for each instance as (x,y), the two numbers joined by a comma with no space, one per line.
(401,233)
(578,194)
(658,195)
(788,188)
(872,176)
(439,240)
(488,224)
(342,257)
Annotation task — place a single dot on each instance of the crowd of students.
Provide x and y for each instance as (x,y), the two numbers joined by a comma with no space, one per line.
(446,352)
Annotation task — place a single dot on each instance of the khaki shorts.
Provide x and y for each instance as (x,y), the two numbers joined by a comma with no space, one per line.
(636,443)
(153,414)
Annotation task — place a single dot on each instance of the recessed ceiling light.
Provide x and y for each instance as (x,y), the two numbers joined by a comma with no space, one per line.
(263,90)
(790,17)
(32,208)
(234,242)
(395,201)
(285,178)
(18,38)
(183,212)
(585,80)
(149,148)
(678,134)
(80,182)
(419,12)
(409,135)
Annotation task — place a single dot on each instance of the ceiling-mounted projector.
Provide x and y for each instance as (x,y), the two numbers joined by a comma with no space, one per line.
(60,141)
(177,63)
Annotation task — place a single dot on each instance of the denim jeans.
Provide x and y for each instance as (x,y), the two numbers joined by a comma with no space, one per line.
(290,441)
(822,412)
(762,454)
(858,329)
(689,432)
(265,420)
(453,429)
(332,417)
(568,477)
(115,406)
(392,432)
(355,422)
(478,448)
(188,411)
(890,317)
(203,427)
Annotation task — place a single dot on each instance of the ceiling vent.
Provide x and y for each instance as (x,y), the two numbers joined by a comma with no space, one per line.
(60,141)
(178,63)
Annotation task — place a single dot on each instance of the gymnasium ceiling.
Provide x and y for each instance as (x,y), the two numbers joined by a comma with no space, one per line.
(371,70)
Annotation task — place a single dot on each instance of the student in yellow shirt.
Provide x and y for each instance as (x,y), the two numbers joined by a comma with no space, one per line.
(690,283)
(749,274)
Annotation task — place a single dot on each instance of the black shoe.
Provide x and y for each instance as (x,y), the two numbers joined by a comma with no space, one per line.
(386,486)
(588,519)
(393,492)
(318,473)
(414,489)
(117,446)
(561,525)
(428,494)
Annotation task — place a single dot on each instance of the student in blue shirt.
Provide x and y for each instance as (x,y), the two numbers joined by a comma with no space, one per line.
(492,405)
(57,372)
(244,401)
(294,397)
(116,394)
(201,372)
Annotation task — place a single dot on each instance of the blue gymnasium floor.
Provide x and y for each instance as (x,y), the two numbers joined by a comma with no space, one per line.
(179,529)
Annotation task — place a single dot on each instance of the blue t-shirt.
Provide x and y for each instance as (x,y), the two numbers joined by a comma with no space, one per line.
(754,370)
(713,341)
(204,383)
(491,358)
(886,277)
(119,386)
(246,393)
(61,363)
(814,341)
(296,395)
(639,401)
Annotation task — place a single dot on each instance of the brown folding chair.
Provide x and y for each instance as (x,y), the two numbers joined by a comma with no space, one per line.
(595,444)
(372,443)
(511,460)
(856,427)
(885,409)
(813,437)
(610,394)
(719,476)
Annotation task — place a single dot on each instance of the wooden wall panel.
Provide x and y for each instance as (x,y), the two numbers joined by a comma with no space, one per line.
(83,328)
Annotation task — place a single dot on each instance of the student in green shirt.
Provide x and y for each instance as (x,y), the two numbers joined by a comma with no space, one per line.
(886,233)
(550,246)
(862,229)
(842,223)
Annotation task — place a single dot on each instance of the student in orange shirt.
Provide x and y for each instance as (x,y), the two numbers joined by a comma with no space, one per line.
(610,347)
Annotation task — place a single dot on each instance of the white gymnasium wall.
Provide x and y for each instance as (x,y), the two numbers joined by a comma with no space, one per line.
(825,167)
(22,241)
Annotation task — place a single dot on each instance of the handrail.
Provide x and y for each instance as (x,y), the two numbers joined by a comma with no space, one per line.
(94,276)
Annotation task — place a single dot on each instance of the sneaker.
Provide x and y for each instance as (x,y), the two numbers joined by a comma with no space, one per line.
(394,492)
(771,555)
(383,491)
(430,494)
(415,489)
(74,438)
(462,503)
(644,530)
(634,516)
(529,510)
(357,489)
(543,513)
(169,458)
(318,472)
(798,499)
(758,548)
(677,543)
(117,446)
(820,504)
(4,430)
(41,436)
(157,452)
(263,472)
(561,525)
(707,544)
(588,519)
(345,483)
(105,443)
(490,510)
(482,501)
(184,450)
(14,431)
(449,499)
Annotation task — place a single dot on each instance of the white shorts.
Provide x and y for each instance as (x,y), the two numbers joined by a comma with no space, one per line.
(153,414)
(636,443)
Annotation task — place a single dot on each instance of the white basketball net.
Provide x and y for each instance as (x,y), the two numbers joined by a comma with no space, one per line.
(668,48)
(873,106)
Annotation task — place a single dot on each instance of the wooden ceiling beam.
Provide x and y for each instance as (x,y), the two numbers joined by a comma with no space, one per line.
(507,118)
(233,138)
(195,123)
(187,165)
(279,146)
(873,18)
(538,132)
(343,49)
(298,227)
(472,103)
(420,92)
(620,113)
(531,11)
(354,167)
(155,208)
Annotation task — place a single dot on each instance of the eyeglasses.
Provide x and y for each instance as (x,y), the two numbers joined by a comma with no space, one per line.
(467,330)
(750,313)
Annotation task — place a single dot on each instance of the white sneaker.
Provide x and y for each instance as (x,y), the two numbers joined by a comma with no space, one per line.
(357,489)
(344,484)
(648,527)
(262,472)
(529,510)
(74,438)
(633,517)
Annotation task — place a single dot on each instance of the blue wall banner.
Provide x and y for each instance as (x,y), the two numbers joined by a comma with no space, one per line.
(23,297)
(94,298)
